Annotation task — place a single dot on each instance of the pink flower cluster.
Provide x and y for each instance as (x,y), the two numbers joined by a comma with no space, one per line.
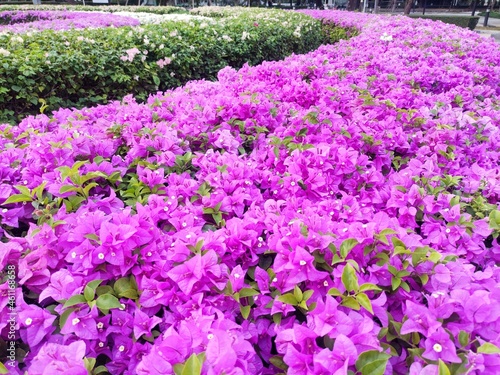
(337,211)
(25,21)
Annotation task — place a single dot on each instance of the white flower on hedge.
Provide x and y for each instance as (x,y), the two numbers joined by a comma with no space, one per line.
(245,35)
(172,74)
(131,53)
(164,62)
(174,33)
(386,37)
(16,39)
(227,38)
(4,52)
(161,46)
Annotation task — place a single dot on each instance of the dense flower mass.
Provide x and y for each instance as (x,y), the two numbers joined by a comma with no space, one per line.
(26,21)
(334,211)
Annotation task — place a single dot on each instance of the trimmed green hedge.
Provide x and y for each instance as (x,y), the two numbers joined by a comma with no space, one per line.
(48,70)
(492,14)
(98,8)
(462,21)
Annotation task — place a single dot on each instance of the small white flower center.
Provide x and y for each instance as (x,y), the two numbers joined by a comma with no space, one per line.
(210,336)
(121,348)
(100,256)
(302,262)
(437,348)
(28,321)
(75,321)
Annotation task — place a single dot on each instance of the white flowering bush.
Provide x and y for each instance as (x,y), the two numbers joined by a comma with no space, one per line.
(148,18)
(47,70)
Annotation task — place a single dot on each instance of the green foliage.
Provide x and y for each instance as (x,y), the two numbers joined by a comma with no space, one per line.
(492,14)
(103,8)
(333,33)
(48,70)
(459,20)
(372,362)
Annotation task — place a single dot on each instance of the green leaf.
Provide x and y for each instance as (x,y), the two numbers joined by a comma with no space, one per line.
(494,219)
(130,293)
(122,285)
(289,299)
(103,289)
(435,257)
(245,311)
(106,302)
(64,317)
(334,292)
(192,366)
(351,302)
(99,370)
(89,363)
(307,294)
(94,284)
(75,300)
(3,369)
(16,198)
(443,369)
(367,286)
(350,279)
(365,302)
(297,293)
(372,362)
(395,282)
(424,278)
(278,362)
(89,293)
(463,338)
(347,246)
(248,292)
(488,348)
(68,188)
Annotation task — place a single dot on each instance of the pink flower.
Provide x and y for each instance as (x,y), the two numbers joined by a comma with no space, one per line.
(59,359)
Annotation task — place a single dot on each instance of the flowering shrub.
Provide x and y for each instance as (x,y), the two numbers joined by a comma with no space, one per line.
(145,18)
(332,213)
(98,8)
(22,22)
(47,70)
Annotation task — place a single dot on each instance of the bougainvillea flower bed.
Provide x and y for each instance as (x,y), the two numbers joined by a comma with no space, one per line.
(333,213)
(25,21)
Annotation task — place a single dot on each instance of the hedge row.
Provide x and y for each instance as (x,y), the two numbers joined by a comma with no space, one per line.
(103,8)
(49,70)
(492,14)
(462,21)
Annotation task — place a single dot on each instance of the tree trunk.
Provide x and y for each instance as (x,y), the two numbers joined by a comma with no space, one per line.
(408,5)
